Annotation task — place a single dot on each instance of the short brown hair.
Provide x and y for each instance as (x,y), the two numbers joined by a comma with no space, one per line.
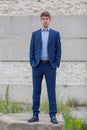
(45,13)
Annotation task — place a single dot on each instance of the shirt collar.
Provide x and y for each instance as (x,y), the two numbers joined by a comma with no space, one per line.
(48,29)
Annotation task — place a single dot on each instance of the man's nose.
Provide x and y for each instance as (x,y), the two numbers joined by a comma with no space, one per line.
(45,20)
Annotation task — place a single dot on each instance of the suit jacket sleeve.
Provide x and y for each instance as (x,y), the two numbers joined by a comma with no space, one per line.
(58,49)
(32,49)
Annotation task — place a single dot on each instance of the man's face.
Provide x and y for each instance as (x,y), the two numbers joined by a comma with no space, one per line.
(45,21)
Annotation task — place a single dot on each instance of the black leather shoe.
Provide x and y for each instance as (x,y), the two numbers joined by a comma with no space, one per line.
(33,119)
(54,120)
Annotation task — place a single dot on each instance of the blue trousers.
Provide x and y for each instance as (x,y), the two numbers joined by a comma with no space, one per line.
(50,77)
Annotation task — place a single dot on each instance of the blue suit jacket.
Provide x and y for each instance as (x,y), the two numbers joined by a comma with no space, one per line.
(54,48)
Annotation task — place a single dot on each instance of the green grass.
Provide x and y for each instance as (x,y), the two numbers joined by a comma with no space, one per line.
(70,123)
(44,108)
(7,106)
(75,103)
(15,107)
(84,126)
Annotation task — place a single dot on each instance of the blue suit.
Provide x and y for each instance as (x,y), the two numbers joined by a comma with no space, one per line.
(54,48)
(49,70)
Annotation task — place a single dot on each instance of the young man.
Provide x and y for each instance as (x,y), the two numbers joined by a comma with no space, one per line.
(45,56)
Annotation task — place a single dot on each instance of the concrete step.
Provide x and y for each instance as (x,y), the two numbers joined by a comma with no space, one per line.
(19,122)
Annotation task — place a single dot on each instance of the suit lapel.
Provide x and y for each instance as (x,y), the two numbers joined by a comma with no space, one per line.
(40,38)
(50,34)
(39,34)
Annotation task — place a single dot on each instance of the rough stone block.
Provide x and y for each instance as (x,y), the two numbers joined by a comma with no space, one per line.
(19,122)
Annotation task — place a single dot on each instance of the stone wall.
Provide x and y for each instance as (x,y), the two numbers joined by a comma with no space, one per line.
(15,70)
(35,7)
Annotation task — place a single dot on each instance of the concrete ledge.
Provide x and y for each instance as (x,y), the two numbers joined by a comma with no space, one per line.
(22,26)
(17,49)
(19,122)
